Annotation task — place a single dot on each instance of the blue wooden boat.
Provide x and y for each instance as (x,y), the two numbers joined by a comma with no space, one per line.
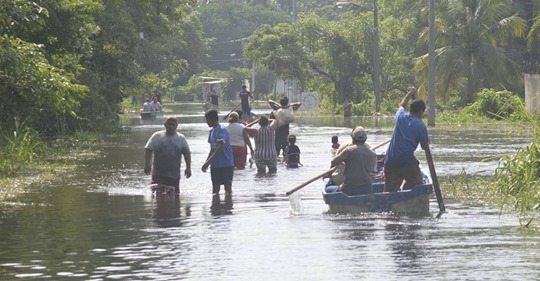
(413,201)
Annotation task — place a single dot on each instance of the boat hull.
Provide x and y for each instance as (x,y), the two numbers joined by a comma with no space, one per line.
(151,115)
(414,201)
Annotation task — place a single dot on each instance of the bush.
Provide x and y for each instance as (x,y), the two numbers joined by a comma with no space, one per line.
(364,108)
(496,105)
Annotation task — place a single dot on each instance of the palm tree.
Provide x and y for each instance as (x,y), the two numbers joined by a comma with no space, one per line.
(532,61)
(470,54)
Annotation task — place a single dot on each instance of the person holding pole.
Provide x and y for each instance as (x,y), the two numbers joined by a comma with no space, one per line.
(400,164)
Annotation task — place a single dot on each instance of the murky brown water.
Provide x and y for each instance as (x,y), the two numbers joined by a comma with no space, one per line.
(101,223)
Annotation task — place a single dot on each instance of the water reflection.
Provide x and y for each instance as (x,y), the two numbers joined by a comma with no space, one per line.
(167,210)
(219,207)
(402,240)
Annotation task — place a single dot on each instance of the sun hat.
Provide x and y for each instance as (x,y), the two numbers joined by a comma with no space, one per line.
(359,134)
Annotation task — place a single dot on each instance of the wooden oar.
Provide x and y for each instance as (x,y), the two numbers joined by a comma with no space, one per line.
(381,144)
(310,181)
(326,173)
(225,117)
(435,181)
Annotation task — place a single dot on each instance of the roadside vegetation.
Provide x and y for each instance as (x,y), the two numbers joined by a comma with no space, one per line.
(26,158)
(515,185)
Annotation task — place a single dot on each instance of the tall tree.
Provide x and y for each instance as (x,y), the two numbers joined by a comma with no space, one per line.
(470,44)
(315,47)
(531,13)
(228,23)
(52,48)
(40,64)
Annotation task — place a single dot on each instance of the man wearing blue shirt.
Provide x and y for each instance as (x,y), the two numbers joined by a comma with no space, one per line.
(220,159)
(400,164)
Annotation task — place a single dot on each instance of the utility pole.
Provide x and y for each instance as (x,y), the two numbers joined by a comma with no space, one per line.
(252,86)
(376,57)
(376,75)
(295,81)
(293,11)
(431,65)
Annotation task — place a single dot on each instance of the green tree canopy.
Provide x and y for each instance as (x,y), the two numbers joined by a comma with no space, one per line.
(471,39)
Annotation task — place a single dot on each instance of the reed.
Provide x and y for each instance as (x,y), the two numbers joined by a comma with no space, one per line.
(514,186)
(19,149)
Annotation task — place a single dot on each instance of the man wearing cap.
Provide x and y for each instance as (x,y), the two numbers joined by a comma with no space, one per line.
(360,161)
(400,164)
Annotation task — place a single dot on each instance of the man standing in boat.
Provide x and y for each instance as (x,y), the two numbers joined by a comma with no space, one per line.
(400,164)
(167,148)
(213,97)
(360,161)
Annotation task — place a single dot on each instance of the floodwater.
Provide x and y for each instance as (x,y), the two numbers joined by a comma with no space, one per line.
(101,222)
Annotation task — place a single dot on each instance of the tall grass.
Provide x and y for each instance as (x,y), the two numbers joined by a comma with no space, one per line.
(24,150)
(515,184)
(19,149)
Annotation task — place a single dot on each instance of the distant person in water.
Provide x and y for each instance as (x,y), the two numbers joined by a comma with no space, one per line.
(335,142)
(291,155)
(265,150)
(240,141)
(284,116)
(335,145)
(245,95)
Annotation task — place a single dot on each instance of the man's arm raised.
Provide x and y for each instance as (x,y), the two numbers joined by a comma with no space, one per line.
(411,90)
